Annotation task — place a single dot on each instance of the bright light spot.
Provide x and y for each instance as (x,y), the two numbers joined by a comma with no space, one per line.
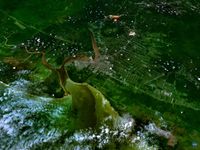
(194,144)
(132,33)
(181,112)
(14,67)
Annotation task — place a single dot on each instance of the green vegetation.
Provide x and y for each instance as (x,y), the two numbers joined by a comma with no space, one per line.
(141,92)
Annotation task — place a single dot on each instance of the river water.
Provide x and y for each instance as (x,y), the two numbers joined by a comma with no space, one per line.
(149,70)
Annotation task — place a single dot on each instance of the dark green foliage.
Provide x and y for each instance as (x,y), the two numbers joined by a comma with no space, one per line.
(153,75)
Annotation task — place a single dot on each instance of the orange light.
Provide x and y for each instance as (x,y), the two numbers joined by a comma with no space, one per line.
(115,18)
